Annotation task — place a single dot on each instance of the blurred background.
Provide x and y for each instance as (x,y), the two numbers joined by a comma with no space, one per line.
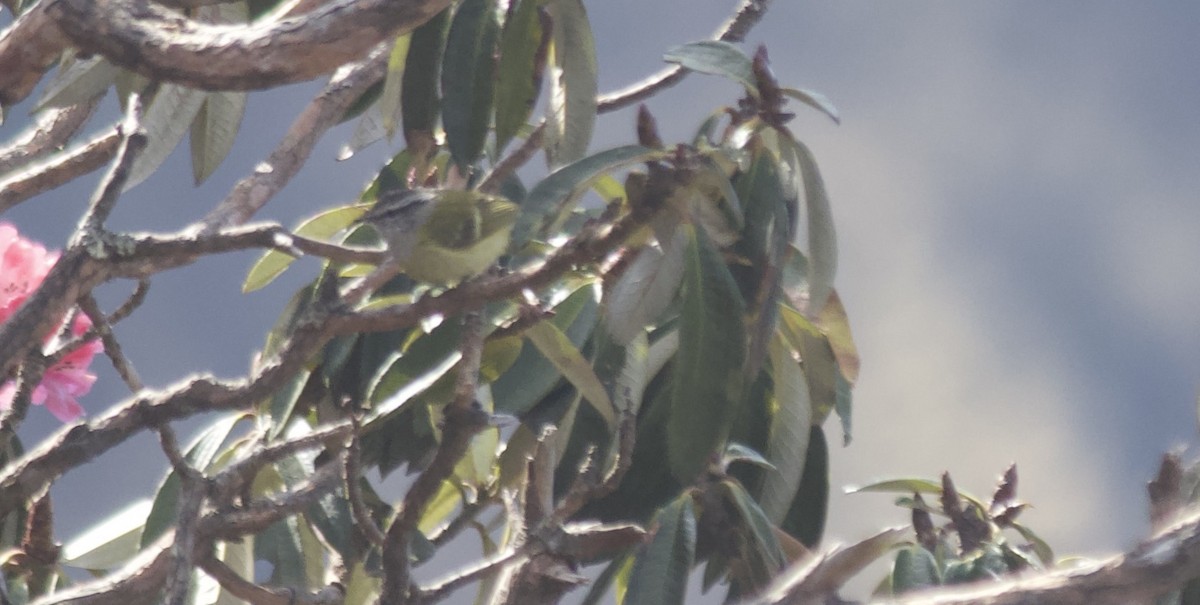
(1015,187)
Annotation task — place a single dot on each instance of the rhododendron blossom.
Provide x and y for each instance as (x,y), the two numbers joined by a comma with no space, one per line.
(23,266)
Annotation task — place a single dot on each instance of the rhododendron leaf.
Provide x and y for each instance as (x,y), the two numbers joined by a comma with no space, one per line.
(707,378)
(110,542)
(554,345)
(913,569)
(167,119)
(660,569)
(787,442)
(468,79)
(199,455)
(556,194)
(321,226)
(645,290)
(419,101)
(532,376)
(214,130)
(393,84)
(770,558)
(716,58)
(78,81)
(815,100)
(806,519)
(571,111)
(523,48)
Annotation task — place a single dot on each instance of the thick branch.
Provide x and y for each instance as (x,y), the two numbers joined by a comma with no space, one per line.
(165,46)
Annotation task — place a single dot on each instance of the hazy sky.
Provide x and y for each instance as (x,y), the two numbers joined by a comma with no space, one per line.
(1015,186)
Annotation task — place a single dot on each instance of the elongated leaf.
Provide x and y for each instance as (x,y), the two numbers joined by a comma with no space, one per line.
(111,542)
(836,326)
(200,454)
(806,519)
(393,84)
(910,486)
(558,192)
(660,571)
(914,569)
(81,81)
(707,381)
(523,48)
(419,101)
(214,130)
(787,445)
(321,226)
(532,376)
(558,349)
(573,83)
(760,529)
(238,556)
(167,119)
(815,100)
(716,58)
(468,79)
(645,289)
(822,239)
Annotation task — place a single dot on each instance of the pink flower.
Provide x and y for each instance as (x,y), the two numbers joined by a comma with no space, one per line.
(23,266)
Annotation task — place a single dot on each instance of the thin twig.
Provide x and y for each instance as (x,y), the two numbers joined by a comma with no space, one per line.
(112,348)
(59,169)
(353,474)
(748,14)
(492,182)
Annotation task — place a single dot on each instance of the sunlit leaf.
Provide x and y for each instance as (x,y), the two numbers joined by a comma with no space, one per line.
(822,238)
(558,192)
(214,130)
(787,444)
(736,452)
(645,289)
(110,542)
(519,74)
(815,100)
(660,570)
(532,376)
(707,381)
(393,84)
(468,79)
(363,587)
(80,81)
(558,349)
(571,112)
(833,322)
(321,226)
(717,58)
(200,454)
(168,117)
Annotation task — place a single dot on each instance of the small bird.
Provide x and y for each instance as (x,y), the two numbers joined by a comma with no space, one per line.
(442,236)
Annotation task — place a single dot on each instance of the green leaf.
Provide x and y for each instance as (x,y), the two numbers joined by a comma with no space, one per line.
(914,569)
(736,452)
(393,84)
(555,195)
(716,58)
(766,546)
(363,587)
(166,120)
(601,584)
(79,81)
(822,238)
(532,376)
(806,519)
(523,48)
(660,570)
(409,372)
(419,104)
(468,79)
(200,454)
(815,100)
(573,83)
(791,426)
(645,290)
(558,349)
(109,543)
(281,544)
(836,326)
(321,226)
(330,516)
(707,381)
(1040,547)
(214,130)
